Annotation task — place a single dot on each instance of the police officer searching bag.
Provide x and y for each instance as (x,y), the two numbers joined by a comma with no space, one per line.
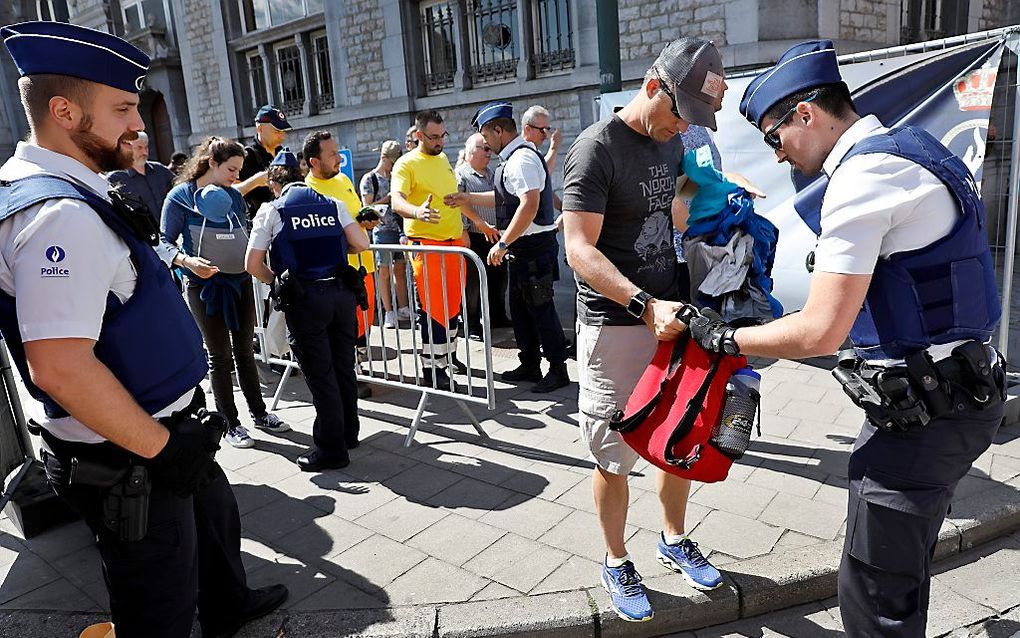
(903,267)
(126,438)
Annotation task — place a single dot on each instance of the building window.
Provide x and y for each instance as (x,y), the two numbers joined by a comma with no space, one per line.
(492,30)
(257,79)
(262,14)
(292,84)
(322,72)
(51,10)
(921,20)
(133,14)
(554,42)
(440,52)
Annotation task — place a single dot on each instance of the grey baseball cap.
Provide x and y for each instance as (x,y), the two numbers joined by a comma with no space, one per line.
(695,72)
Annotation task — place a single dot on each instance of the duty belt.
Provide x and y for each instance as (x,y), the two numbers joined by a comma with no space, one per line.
(910,396)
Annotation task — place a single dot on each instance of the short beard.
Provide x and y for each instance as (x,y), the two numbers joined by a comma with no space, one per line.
(431,151)
(330,174)
(105,158)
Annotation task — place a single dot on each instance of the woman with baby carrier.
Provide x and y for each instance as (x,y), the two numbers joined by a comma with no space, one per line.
(208,215)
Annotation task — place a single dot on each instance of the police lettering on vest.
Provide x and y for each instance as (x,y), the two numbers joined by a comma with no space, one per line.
(312,243)
(937,294)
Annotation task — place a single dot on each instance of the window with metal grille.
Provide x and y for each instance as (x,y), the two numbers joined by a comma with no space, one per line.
(257,80)
(292,84)
(554,41)
(438,48)
(921,20)
(323,72)
(492,36)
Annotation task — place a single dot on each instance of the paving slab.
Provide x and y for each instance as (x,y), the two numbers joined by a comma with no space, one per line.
(397,543)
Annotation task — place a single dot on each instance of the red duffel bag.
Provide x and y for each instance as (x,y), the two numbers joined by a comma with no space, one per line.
(674,407)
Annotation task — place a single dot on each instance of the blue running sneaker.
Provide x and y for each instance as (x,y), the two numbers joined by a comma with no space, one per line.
(686,559)
(627,593)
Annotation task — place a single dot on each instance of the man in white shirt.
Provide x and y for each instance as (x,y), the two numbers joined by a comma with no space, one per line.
(903,267)
(127,441)
(526,217)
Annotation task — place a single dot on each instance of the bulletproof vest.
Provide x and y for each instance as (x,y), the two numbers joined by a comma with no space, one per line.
(940,293)
(312,244)
(507,202)
(156,368)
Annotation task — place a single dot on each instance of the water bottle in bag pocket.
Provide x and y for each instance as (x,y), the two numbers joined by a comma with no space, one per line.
(732,434)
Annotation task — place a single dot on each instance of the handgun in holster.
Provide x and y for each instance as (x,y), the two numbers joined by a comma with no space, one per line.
(886,396)
(354,279)
(286,290)
(126,489)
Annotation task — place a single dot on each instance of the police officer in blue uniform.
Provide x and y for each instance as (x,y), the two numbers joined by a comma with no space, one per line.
(526,219)
(308,237)
(126,439)
(903,267)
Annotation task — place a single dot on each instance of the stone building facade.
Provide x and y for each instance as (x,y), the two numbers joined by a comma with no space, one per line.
(361,68)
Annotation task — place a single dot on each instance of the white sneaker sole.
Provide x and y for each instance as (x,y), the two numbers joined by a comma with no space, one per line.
(241,445)
(671,565)
(619,613)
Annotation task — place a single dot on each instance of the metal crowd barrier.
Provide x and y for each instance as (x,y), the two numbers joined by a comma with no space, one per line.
(393,356)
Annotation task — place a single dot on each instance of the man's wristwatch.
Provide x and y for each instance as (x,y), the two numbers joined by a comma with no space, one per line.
(503,245)
(637,304)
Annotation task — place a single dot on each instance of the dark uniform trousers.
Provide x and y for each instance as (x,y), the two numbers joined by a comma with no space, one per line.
(532,272)
(190,557)
(322,331)
(496,278)
(901,485)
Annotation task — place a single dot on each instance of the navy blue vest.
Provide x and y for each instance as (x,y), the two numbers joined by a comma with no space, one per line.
(150,342)
(507,202)
(942,292)
(312,243)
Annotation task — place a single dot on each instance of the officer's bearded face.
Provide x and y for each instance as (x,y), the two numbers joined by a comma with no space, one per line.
(107,127)
(105,155)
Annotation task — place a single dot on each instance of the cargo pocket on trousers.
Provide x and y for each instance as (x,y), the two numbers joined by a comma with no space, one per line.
(891,527)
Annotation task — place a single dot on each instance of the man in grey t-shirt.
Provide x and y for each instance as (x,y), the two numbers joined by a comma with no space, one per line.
(619,185)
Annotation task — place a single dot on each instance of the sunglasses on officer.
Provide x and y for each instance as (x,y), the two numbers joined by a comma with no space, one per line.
(772,135)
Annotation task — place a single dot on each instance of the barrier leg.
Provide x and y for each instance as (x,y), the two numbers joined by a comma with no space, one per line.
(472,418)
(279,389)
(417,419)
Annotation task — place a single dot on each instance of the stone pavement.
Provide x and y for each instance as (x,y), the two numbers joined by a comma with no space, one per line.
(970,598)
(464,536)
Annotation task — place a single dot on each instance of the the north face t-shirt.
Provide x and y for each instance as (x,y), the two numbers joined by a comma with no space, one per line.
(630,179)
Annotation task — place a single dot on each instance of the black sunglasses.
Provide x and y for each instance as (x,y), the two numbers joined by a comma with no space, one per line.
(771,135)
(672,98)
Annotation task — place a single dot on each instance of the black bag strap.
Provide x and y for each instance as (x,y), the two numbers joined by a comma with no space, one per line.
(686,424)
(617,421)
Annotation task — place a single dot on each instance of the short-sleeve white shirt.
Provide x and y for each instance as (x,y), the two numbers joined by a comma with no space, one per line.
(267,223)
(877,205)
(523,172)
(61,262)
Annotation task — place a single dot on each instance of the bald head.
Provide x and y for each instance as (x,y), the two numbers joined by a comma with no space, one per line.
(477,152)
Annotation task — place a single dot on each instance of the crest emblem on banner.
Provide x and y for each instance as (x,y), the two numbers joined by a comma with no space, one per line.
(973,93)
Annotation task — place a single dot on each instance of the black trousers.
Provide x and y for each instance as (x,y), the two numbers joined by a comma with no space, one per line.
(532,272)
(901,485)
(497,278)
(322,333)
(227,349)
(190,557)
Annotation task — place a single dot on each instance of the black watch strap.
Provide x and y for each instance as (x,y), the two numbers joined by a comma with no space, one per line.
(638,303)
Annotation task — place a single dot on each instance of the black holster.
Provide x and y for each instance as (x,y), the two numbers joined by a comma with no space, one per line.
(286,289)
(125,489)
(354,279)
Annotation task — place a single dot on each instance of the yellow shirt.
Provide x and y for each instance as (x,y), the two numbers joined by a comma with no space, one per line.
(418,175)
(340,187)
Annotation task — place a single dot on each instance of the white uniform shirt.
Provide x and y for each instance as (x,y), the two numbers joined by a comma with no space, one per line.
(61,261)
(877,205)
(523,172)
(267,223)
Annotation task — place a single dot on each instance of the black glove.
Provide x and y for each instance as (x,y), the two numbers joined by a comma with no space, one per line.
(185,464)
(709,330)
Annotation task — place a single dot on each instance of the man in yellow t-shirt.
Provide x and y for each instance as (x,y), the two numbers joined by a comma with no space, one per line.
(322,152)
(420,180)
